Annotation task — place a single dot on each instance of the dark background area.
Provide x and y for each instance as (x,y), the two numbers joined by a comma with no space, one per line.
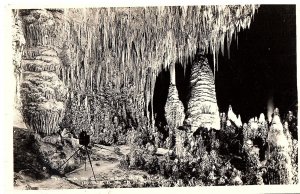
(262,65)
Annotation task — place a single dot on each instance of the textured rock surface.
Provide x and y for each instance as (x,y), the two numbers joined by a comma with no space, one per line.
(174,110)
(202,110)
(181,137)
(53,151)
(43,94)
(18,43)
(276,137)
(279,151)
(39,157)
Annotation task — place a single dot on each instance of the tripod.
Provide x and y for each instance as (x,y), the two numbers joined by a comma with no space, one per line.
(83,141)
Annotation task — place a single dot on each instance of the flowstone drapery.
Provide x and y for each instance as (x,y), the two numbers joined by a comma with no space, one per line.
(43,94)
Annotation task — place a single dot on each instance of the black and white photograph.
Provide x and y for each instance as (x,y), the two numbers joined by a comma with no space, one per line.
(154,96)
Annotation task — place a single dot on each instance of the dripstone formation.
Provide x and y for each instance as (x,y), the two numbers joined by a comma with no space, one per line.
(174,110)
(202,110)
(43,93)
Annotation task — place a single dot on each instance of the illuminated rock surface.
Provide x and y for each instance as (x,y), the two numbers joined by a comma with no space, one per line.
(174,110)
(202,107)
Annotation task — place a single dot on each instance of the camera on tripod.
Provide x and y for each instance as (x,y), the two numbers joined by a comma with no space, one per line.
(84,138)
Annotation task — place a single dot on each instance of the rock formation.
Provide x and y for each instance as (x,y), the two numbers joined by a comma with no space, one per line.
(276,137)
(262,118)
(42,92)
(233,118)
(181,138)
(18,43)
(279,151)
(202,107)
(174,110)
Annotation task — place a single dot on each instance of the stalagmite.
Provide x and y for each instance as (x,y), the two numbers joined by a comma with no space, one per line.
(174,110)
(253,126)
(233,118)
(276,136)
(279,150)
(262,118)
(239,121)
(270,109)
(202,107)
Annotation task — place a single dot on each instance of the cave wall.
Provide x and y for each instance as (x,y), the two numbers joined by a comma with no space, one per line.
(18,43)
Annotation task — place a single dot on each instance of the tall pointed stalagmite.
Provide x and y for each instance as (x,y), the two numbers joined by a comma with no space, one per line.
(233,118)
(202,110)
(174,110)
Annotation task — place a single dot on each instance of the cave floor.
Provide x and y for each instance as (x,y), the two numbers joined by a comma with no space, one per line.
(108,173)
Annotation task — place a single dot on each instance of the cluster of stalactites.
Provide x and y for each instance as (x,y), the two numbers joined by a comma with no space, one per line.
(132,39)
(128,47)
